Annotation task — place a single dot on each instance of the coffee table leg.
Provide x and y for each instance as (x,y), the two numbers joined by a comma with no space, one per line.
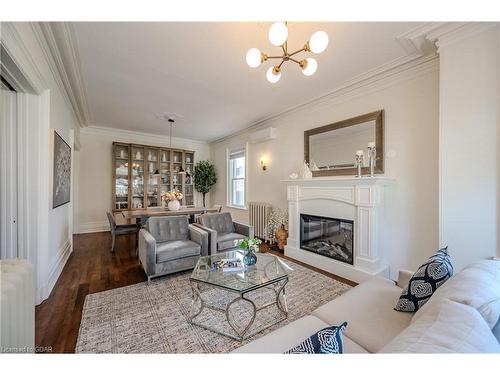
(241,334)
(281,290)
(196,296)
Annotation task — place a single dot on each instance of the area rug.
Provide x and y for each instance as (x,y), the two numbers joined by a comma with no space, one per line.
(153,318)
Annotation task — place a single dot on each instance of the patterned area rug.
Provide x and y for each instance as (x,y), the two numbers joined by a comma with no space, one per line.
(152,318)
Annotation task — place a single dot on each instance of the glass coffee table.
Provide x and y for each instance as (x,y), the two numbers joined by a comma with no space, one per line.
(247,288)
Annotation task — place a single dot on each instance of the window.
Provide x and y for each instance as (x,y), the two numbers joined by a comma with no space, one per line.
(236,180)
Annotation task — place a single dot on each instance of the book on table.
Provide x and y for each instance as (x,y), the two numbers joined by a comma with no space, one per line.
(228,265)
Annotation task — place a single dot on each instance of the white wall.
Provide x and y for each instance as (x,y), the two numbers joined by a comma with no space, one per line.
(95,171)
(410,102)
(469,90)
(50,232)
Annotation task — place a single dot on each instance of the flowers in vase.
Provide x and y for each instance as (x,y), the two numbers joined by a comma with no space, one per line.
(168,196)
(249,244)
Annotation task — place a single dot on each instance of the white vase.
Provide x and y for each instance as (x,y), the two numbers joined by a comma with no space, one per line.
(174,205)
(163,203)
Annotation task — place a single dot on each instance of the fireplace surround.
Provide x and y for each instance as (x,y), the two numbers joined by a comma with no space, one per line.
(348,199)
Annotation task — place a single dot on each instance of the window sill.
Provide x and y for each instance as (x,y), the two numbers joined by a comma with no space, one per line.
(243,208)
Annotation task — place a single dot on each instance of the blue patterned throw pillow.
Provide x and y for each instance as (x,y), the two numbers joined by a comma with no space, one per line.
(429,276)
(326,341)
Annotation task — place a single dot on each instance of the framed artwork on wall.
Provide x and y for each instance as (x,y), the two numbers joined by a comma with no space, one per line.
(61,179)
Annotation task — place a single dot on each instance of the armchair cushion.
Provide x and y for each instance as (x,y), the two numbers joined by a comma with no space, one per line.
(169,228)
(171,250)
(225,241)
(220,222)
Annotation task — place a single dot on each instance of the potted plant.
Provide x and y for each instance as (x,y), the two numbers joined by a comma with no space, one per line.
(250,245)
(204,177)
(172,198)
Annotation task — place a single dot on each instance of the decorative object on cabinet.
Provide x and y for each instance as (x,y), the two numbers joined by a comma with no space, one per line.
(293,176)
(139,182)
(204,177)
(326,145)
(61,176)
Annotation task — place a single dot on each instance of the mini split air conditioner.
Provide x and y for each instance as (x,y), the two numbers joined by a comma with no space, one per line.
(263,135)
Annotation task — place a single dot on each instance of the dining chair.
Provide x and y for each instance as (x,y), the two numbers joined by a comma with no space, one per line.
(117,230)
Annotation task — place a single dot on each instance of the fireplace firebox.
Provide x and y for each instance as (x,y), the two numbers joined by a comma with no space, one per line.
(327,236)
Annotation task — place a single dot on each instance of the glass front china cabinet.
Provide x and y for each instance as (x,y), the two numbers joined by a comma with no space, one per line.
(141,173)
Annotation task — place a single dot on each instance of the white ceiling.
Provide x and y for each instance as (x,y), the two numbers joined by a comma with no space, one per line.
(135,71)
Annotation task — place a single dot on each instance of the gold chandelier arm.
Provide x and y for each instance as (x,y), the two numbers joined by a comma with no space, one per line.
(274,57)
(298,51)
(295,61)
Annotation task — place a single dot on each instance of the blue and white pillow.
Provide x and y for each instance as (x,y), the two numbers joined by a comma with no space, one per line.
(429,276)
(326,341)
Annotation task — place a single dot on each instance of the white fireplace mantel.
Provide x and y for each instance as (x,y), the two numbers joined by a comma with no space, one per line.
(350,198)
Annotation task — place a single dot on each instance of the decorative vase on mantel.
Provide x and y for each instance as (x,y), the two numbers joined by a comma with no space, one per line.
(174,205)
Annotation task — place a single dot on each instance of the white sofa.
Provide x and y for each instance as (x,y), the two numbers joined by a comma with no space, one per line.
(462,316)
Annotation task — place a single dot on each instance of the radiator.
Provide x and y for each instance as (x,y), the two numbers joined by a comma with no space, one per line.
(17,306)
(259,216)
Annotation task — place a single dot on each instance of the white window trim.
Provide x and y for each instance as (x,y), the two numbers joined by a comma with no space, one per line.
(228,177)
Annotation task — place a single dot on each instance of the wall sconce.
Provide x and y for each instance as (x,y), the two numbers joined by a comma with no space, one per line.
(263,163)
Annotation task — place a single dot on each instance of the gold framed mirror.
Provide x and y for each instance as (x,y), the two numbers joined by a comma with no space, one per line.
(330,149)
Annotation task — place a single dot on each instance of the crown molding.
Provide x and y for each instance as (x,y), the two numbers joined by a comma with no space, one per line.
(453,32)
(399,70)
(130,136)
(59,44)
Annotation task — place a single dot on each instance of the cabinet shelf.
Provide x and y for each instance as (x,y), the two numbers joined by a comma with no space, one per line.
(133,174)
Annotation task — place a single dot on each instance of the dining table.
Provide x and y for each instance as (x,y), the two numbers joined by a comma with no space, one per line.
(141,216)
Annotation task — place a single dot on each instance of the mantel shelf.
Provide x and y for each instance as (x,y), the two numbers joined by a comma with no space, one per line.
(341,179)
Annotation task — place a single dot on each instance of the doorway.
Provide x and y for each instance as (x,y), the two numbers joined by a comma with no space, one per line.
(8,171)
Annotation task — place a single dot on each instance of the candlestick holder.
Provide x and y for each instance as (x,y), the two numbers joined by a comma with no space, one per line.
(372,154)
(359,163)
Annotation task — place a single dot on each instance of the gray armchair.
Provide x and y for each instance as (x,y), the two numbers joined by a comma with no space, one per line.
(170,244)
(223,231)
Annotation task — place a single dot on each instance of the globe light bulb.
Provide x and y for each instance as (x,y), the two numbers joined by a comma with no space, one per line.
(271,76)
(310,67)
(253,57)
(318,42)
(278,34)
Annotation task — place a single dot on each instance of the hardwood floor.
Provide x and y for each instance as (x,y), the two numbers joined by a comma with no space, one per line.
(92,268)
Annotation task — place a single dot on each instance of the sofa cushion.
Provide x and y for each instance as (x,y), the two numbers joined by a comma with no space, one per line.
(424,282)
(220,222)
(171,250)
(168,228)
(325,341)
(450,327)
(225,241)
(282,339)
(477,285)
(368,309)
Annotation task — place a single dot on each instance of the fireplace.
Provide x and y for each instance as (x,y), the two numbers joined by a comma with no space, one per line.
(327,236)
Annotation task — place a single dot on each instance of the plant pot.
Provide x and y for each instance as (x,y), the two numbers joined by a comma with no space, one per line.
(281,237)
(174,205)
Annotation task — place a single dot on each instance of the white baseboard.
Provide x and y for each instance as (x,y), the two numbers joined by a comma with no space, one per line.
(93,227)
(63,254)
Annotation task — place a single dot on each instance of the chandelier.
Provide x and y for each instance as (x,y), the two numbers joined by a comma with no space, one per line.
(278,35)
